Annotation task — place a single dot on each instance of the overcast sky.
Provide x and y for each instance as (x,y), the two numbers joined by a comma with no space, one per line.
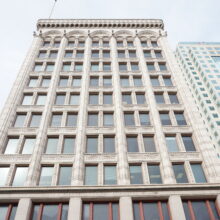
(185,20)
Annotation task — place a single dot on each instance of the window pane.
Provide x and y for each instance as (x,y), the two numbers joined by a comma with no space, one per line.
(107,81)
(159,99)
(108,120)
(180,173)
(65,175)
(147,53)
(50,67)
(158,54)
(50,212)
(94,81)
(154,174)
(109,145)
(150,67)
(155,82)
(71,120)
(124,82)
(60,99)
(94,67)
(137,81)
(136,211)
(35,121)
(27,100)
(32,83)
(68,54)
(13,212)
(106,66)
(35,212)
(186,210)
(173,99)
(126,98)
(110,177)
(140,99)
(4,174)
(46,176)
(198,173)
(92,145)
(79,54)
(115,215)
(93,99)
(129,119)
(167,82)
(144,119)
(45,82)
(136,175)
(171,144)
(162,67)
(11,146)
(20,176)
(134,67)
(166,215)
(100,211)
(19,122)
(188,143)
(86,212)
(151,211)
(165,119)
(3,212)
(63,82)
(41,100)
(53,54)
(52,144)
(214,209)
(107,99)
(42,54)
(180,118)
(149,144)
(200,210)
(38,67)
(91,175)
(122,67)
(29,144)
(56,120)
(66,67)
(74,99)
(76,82)
(132,144)
(64,212)
(78,67)
(93,120)
(69,146)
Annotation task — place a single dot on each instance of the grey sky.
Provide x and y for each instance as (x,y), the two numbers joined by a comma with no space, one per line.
(185,20)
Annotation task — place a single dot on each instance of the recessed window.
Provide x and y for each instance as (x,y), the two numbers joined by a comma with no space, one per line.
(94,81)
(46,43)
(129,119)
(91,175)
(121,54)
(154,174)
(53,55)
(151,67)
(52,144)
(95,43)
(106,66)
(120,43)
(134,67)
(76,82)
(81,43)
(123,67)
(95,54)
(110,177)
(132,144)
(60,99)
(69,145)
(12,145)
(144,43)
(42,54)
(162,66)
(38,67)
(45,82)
(65,176)
(198,173)
(41,99)
(35,120)
(171,144)
(167,81)
(78,67)
(93,99)
(56,120)
(49,67)
(28,145)
(92,119)
(147,54)
(126,99)
(109,144)
(158,54)
(32,82)
(63,82)
(27,100)
(130,43)
(144,119)
(107,99)
(132,53)
(106,54)
(71,44)
(107,81)
(20,176)
(137,81)
(165,119)
(149,144)
(92,145)
(56,44)
(140,99)
(180,173)
(71,120)
(94,66)
(188,143)
(74,99)
(155,81)
(154,44)
(135,174)
(69,54)
(124,82)
(173,98)
(79,54)
(108,119)
(4,175)
(19,122)
(46,176)
(159,98)
(105,43)
(180,119)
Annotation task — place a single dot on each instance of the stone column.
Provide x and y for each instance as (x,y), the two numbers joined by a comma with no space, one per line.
(126,208)
(159,135)
(123,167)
(24,209)
(211,162)
(35,165)
(75,209)
(82,119)
(176,208)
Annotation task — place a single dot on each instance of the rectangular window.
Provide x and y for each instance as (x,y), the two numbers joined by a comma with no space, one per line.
(19,122)
(49,67)
(92,119)
(45,82)
(92,145)
(38,67)
(121,54)
(155,81)
(147,54)
(12,145)
(42,54)
(20,176)
(188,143)
(56,120)
(95,43)
(198,173)
(81,43)
(94,66)
(78,67)
(53,55)
(123,67)
(46,43)
(154,44)
(180,119)
(124,82)
(76,82)
(130,44)
(126,99)
(144,119)
(159,98)
(136,174)
(167,81)
(46,176)
(35,120)
(165,119)
(60,99)
(93,99)
(151,67)
(171,144)
(144,43)
(137,81)
(63,82)
(107,81)
(158,54)
(79,54)
(28,145)
(52,144)
(149,144)
(140,99)
(120,43)
(129,119)
(27,100)
(69,145)
(108,119)
(74,99)
(105,43)
(91,175)
(41,99)
(4,175)
(173,99)
(132,144)
(162,66)
(154,174)
(56,44)
(134,67)
(107,99)
(8,211)
(95,54)
(32,82)
(106,66)
(106,54)
(65,176)
(110,176)
(94,81)
(180,174)
(68,54)
(109,144)
(71,120)
(71,44)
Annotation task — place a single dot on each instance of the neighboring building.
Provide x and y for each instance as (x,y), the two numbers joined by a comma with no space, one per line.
(100,125)
(200,65)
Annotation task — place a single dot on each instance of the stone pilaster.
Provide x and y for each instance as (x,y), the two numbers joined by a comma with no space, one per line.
(75,209)
(24,209)
(176,207)
(126,208)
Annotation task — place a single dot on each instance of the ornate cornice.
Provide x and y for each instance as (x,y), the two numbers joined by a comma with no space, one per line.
(100,23)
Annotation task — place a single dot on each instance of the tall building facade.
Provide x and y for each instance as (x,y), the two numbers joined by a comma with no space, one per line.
(200,65)
(100,124)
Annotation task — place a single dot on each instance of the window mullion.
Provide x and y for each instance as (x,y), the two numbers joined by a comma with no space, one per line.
(40,212)
(212,217)
(91,211)
(141,210)
(160,211)
(59,213)
(191,211)
(9,212)
(110,217)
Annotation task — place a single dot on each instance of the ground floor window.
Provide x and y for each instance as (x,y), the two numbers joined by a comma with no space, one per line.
(8,211)
(100,211)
